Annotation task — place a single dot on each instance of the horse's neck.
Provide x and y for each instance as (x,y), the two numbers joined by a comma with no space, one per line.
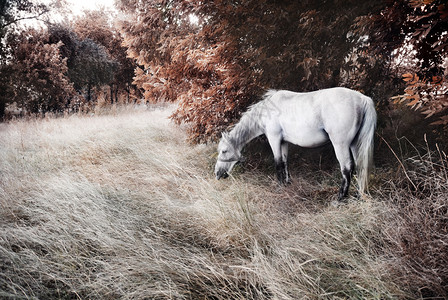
(246,130)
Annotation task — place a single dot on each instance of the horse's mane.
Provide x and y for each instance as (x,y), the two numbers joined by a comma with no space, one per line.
(257,108)
(250,120)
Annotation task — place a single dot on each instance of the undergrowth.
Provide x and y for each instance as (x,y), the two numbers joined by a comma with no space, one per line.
(417,196)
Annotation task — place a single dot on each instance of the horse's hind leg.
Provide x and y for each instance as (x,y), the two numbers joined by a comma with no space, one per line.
(345,159)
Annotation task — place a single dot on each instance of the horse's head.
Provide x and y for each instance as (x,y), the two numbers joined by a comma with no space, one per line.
(228,156)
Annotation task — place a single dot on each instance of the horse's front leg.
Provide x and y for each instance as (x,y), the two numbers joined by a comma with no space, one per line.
(284,150)
(275,141)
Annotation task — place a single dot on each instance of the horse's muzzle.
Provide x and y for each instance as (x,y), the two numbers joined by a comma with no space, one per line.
(221,174)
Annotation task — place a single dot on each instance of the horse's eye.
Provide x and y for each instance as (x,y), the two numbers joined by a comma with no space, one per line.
(224,151)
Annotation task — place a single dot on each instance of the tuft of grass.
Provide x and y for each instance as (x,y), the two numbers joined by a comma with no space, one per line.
(119,206)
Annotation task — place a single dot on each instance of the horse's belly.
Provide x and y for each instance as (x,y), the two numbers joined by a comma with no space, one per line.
(308,139)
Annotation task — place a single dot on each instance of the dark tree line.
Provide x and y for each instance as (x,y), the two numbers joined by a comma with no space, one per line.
(61,66)
(215,58)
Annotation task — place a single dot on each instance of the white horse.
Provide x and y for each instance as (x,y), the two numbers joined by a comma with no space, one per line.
(342,116)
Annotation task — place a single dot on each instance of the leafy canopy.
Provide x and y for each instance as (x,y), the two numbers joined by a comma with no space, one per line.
(217,66)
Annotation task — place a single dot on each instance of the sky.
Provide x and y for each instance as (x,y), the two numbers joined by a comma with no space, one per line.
(74,8)
(78,6)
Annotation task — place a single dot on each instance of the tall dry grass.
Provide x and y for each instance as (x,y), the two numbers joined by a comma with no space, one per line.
(119,206)
(417,197)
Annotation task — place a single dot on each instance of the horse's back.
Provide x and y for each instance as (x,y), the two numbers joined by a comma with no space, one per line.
(304,117)
(335,96)
(336,102)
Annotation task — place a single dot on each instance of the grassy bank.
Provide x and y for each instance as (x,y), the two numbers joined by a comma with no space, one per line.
(119,206)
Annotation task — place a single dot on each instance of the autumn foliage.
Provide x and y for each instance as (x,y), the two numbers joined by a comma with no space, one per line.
(414,33)
(63,66)
(195,64)
(100,28)
(215,58)
(218,65)
(429,95)
(36,76)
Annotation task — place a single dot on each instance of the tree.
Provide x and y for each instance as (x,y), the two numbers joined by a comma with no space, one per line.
(415,33)
(12,12)
(89,64)
(219,65)
(91,67)
(35,76)
(99,26)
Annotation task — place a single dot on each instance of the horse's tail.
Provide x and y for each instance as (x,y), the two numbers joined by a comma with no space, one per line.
(363,154)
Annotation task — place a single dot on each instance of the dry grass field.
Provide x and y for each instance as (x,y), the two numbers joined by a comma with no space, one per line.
(120,206)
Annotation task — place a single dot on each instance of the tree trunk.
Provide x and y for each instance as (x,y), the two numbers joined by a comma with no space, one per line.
(2,110)
(111,94)
(89,88)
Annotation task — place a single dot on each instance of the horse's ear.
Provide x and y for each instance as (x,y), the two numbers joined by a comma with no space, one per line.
(225,136)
